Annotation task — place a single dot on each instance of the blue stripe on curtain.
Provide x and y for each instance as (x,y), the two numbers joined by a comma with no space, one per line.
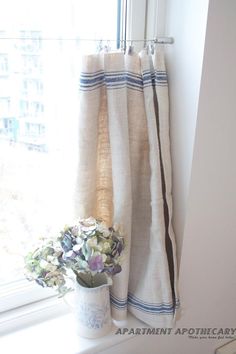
(120,79)
(164,307)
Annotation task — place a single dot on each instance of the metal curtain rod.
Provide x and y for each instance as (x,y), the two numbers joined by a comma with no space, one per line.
(157,40)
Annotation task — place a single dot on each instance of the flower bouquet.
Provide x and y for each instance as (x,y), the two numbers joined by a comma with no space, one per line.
(87,248)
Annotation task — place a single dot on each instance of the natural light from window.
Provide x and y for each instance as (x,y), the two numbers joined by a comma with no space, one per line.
(39,72)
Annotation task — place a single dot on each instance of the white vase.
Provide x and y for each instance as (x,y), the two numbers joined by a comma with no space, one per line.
(92,307)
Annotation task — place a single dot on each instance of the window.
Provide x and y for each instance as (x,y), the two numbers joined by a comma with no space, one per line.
(38,110)
(31,64)
(5,104)
(41,44)
(32,86)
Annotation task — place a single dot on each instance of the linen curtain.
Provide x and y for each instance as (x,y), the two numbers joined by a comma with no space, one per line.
(124,176)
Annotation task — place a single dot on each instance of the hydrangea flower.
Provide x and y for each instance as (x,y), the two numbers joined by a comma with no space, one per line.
(89,246)
(95,263)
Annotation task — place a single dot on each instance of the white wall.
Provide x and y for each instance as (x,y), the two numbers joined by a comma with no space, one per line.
(208,262)
(207,274)
(186,22)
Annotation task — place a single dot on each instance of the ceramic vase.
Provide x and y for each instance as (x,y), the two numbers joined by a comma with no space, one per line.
(92,306)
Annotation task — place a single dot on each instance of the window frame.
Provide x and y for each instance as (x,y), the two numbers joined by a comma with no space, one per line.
(21,292)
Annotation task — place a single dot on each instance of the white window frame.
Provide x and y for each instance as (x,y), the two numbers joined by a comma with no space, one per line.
(136,19)
(25,301)
(21,292)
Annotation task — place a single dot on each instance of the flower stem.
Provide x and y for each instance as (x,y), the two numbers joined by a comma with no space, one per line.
(92,281)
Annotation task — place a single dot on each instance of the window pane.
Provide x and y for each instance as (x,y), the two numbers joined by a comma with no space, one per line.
(38,112)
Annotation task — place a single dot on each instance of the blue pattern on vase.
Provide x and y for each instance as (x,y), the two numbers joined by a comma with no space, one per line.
(92,316)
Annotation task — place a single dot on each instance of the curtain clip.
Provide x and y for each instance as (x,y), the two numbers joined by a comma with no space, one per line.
(123,46)
(131,48)
(107,47)
(151,48)
(100,46)
(145,47)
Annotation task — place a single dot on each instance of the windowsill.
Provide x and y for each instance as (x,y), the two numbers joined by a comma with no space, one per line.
(58,335)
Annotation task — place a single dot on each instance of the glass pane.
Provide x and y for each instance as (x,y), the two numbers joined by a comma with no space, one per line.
(38,112)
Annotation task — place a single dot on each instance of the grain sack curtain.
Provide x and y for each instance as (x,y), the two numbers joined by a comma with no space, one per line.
(124,176)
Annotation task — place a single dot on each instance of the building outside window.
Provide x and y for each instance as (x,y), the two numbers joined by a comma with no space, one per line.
(4,68)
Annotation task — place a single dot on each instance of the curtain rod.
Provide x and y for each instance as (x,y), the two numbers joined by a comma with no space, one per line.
(157,40)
